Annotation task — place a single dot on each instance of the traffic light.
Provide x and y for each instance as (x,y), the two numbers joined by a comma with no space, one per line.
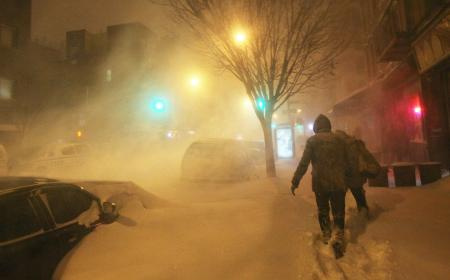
(159,105)
(418,110)
(261,104)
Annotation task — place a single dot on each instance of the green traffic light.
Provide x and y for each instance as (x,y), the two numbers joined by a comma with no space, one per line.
(159,105)
(261,104)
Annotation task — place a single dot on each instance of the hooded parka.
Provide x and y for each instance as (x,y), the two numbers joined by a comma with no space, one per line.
(327,154)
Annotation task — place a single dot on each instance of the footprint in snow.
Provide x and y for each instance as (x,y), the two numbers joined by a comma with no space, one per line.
(366,260)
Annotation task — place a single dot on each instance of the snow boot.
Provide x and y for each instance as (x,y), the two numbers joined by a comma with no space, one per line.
(338,244)
(364,212)
(326,236)
(338,249)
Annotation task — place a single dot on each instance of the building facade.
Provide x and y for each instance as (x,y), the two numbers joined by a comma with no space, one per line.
(400,102)
(110,68)
(14,34)
(28,73)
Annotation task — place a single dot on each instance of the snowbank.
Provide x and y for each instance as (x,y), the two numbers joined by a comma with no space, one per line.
(250,231)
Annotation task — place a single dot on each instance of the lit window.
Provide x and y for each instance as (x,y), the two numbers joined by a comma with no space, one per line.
(5,88)
(108,75)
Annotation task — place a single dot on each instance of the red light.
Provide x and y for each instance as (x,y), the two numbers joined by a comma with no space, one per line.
(418,110)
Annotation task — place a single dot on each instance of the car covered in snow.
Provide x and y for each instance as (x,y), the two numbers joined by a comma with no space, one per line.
(222,160)
(41,220)
(57,159)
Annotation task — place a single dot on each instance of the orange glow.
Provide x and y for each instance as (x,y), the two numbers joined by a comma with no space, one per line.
(240,37)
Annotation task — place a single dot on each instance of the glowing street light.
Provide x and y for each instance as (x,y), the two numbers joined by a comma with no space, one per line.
(240,37)
(194,82)
(247,103)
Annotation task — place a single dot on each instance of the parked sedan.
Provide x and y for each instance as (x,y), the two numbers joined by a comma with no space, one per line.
(41,220)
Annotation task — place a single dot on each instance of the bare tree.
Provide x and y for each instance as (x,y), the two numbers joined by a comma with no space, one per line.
(275,48)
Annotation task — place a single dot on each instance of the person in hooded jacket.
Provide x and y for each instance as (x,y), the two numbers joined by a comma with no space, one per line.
(328,156)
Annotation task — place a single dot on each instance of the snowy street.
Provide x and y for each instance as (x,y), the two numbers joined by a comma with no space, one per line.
(225,140)
(257,230)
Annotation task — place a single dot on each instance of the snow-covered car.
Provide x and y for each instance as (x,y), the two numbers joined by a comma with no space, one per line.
(41,220)
(57,159)
(256,151)
(220,160)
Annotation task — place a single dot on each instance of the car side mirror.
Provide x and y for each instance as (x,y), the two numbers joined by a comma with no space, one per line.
(109,212)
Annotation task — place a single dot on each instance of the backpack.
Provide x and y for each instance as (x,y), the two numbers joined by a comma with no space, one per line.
(368,166)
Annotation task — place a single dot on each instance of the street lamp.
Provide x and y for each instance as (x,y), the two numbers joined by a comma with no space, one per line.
(194,81)
(240,37)
(247,103)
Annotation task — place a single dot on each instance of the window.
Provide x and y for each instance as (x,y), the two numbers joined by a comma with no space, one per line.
(5,88)
(66,203)
(108,75)
(6,36)
(17,218)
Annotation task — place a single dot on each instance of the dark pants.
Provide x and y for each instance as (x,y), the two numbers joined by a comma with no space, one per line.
(360,196)
(337,201)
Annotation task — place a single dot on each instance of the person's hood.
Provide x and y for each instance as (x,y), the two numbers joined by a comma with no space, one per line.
(322,124)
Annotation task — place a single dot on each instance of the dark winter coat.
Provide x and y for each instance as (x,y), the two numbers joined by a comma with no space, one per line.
(354,177)
(327,154)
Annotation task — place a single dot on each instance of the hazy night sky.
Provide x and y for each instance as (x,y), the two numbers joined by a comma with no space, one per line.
(52,18)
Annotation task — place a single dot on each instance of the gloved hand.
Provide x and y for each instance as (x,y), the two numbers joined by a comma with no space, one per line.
(293,188)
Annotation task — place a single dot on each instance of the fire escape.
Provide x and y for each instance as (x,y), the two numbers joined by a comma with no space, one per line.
(390,38)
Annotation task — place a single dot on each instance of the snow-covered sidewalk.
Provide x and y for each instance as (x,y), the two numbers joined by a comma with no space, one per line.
(257,230)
